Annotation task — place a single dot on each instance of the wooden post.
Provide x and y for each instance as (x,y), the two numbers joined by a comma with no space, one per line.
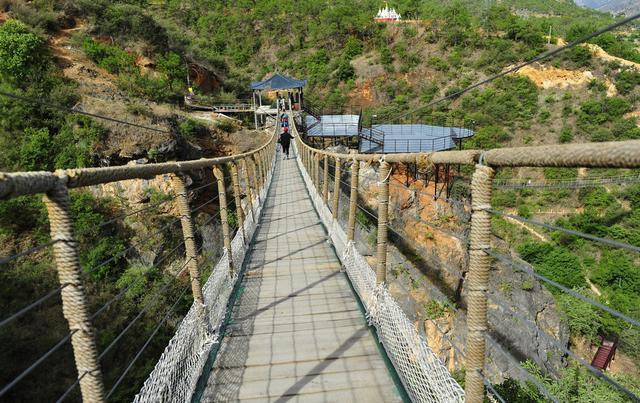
(353,199)
(248,177)
(233,166)
(189,236)
(222,200)
(477,282)
(259,176)
(325,179)
(74,302)
(336,190)
(383,216)
(252,172)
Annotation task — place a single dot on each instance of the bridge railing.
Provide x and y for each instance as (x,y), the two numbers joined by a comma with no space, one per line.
(423,375)
(170,380)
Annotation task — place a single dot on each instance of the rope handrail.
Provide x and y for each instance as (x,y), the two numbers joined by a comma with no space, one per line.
(613,154)
(25,183)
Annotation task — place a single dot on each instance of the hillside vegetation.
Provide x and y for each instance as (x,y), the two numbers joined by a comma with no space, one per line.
(141,52)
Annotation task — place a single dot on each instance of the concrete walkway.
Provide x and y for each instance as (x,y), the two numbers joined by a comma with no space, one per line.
(296,332)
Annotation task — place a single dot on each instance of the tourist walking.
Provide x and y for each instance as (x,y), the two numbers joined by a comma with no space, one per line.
(285,142)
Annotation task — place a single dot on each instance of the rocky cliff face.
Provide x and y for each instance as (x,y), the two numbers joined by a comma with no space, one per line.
(150,224)
(427,265)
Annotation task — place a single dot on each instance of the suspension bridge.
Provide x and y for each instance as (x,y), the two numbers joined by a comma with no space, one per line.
(293,310)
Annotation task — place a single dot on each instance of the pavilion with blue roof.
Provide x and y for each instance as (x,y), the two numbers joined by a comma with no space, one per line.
(290,89)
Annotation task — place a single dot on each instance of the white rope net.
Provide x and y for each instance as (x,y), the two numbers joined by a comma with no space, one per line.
(424,376)
(176,373)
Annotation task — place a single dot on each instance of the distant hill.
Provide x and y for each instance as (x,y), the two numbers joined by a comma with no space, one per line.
(614,6)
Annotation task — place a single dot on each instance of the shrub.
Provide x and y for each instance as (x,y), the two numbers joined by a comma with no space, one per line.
(352,48)
(554,262)
(434,309)
(524,211)
(190,129)
(583,318)
(22,214)
(617,269)
(580,56)
(566,135)
(385,56)
(345,70)
(627,81)
(597,85)
(109,57)
(560,173)
(129,22)
(488,137)
(24,56)
(35,150)
(76,142)
(438,63)
(172,65)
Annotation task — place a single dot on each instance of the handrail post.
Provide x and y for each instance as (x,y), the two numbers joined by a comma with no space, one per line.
(191,255)
(224,218)
(383,216)
(336,189)
(74,301)
(236,197)
(255,168)
(325,179)
(353,199)
(316,169)
(478,282)
(249,186)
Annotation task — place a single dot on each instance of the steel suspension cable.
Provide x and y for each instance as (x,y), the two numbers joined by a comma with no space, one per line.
(146,344)
(528,269)
(615,244)
(39,361)
(593,370)
(71,110)
(70,389)
(532,378)
(55,292)
(546,55)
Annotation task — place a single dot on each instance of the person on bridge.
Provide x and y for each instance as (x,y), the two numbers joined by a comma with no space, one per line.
(285,142)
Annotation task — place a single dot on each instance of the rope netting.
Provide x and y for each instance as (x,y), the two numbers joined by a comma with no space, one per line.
(424,376)
(176,373)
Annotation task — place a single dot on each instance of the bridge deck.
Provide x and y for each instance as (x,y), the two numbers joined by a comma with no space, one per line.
(296,332)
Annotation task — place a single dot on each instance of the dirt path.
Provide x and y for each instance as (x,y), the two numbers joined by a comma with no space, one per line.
(526,226)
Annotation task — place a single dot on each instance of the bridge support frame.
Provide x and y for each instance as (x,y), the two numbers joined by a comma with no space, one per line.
(478,282)
(233,167)
(224,215)
(353,199)
(336,189)
(383,218)
(74,301)
(191,254)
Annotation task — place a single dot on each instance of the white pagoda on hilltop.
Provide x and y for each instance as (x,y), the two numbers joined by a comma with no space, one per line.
(387,14)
